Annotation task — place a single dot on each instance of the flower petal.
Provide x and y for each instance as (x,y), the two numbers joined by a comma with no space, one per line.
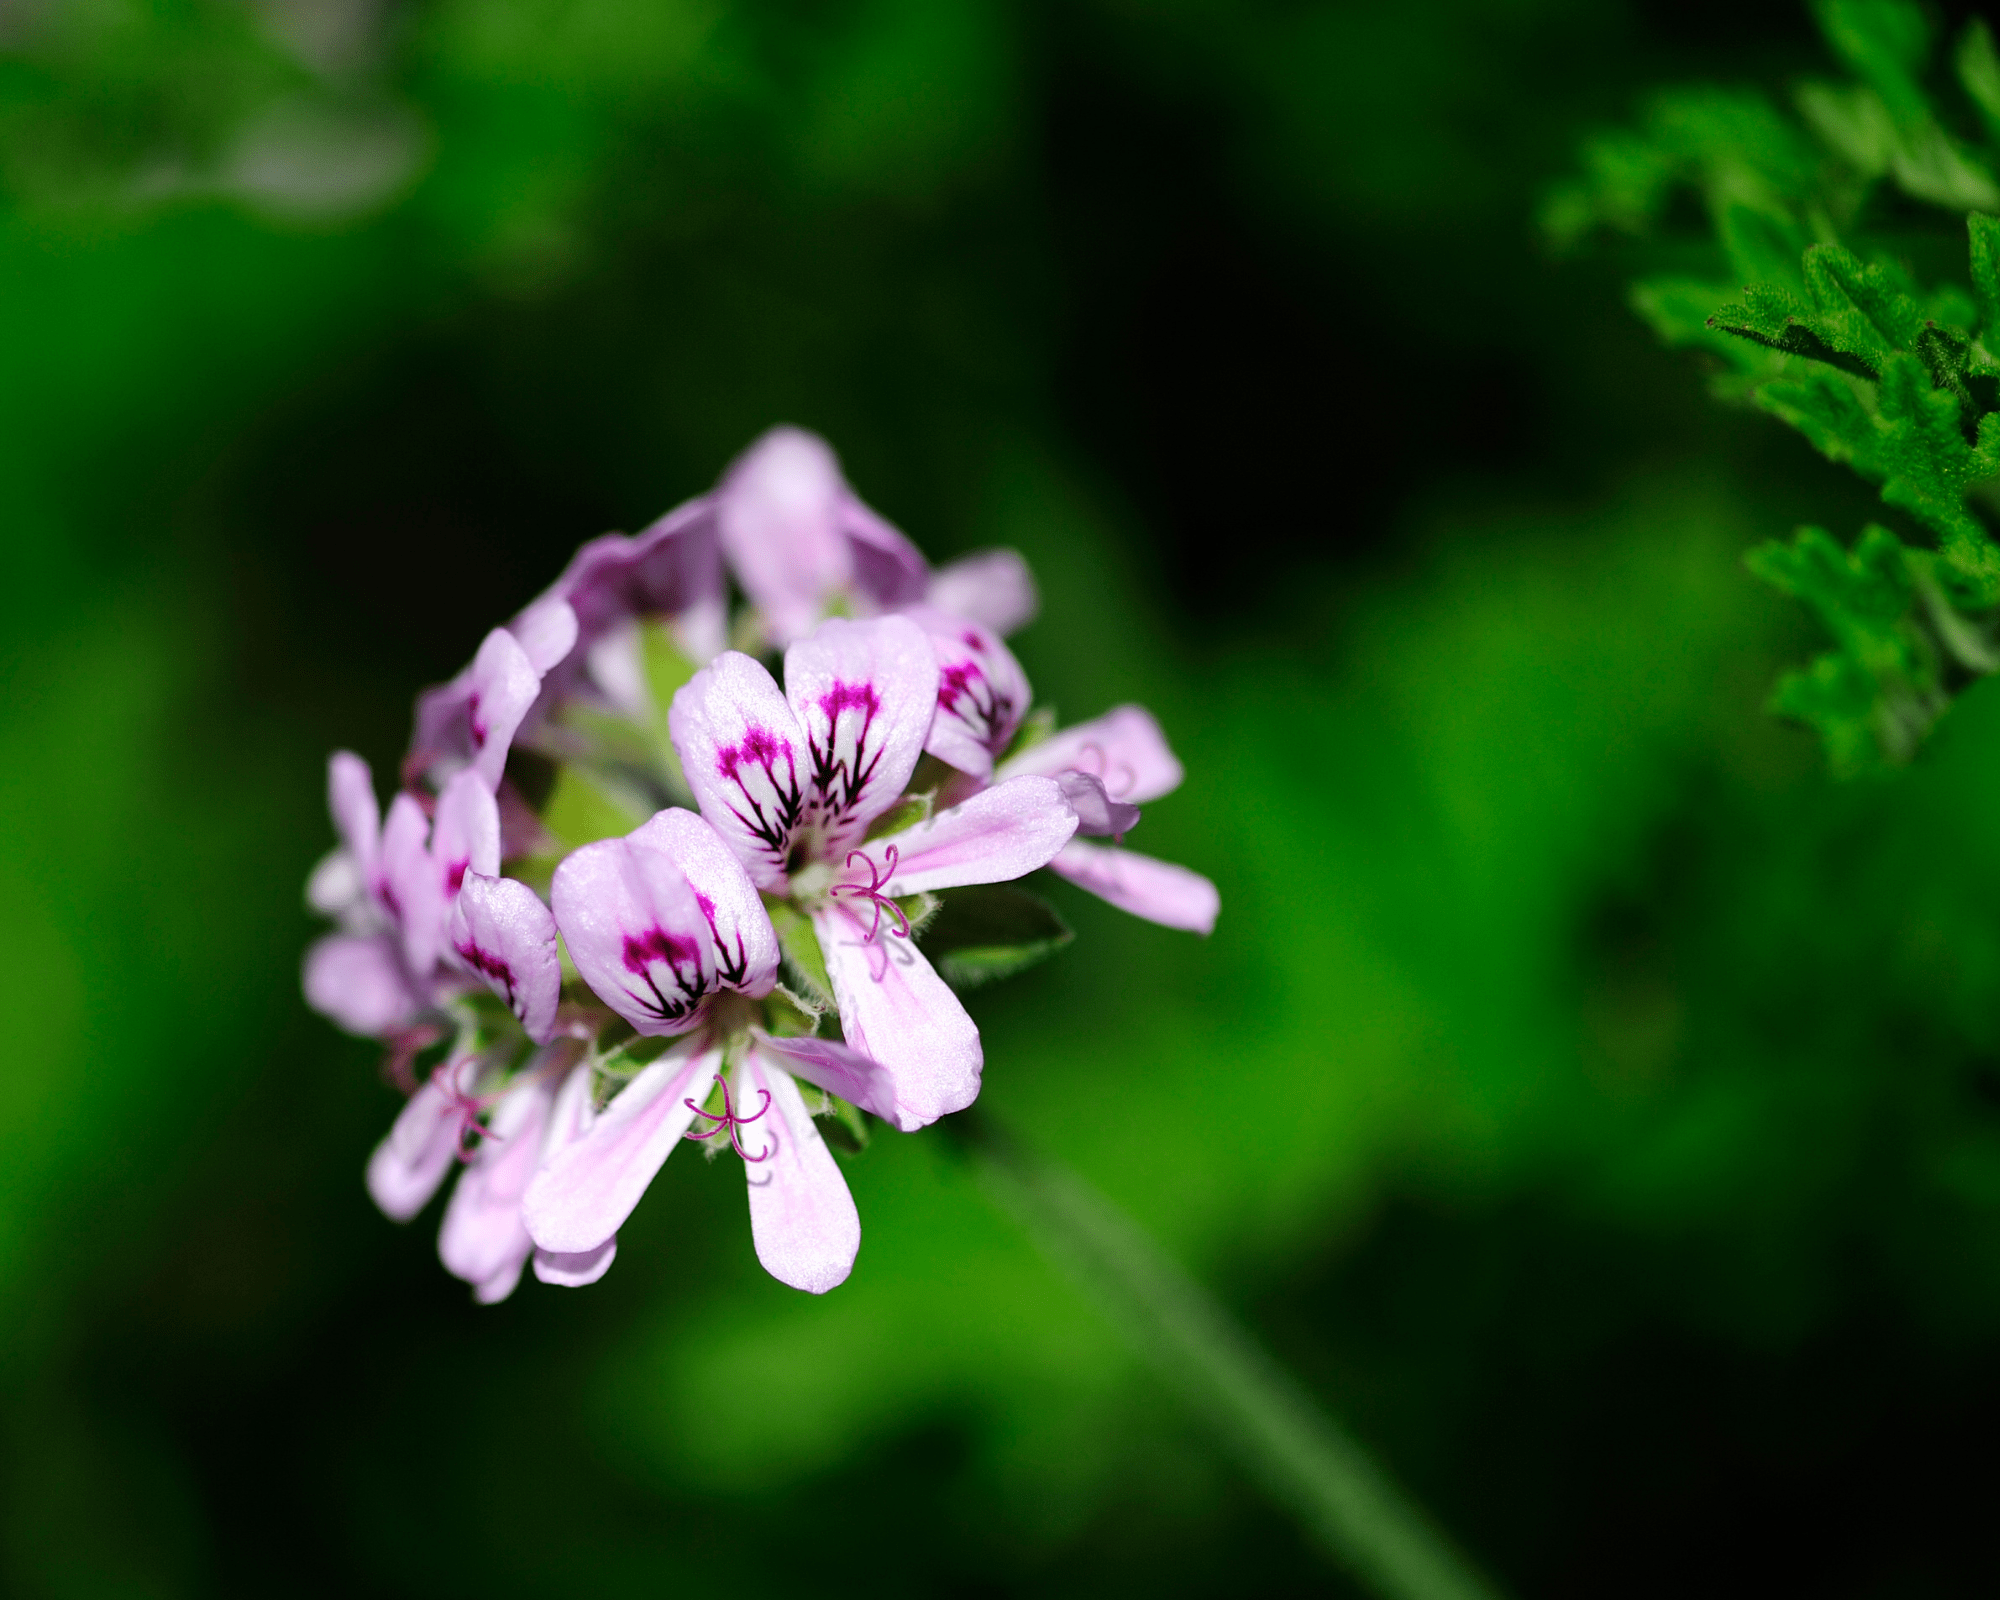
(888,569)
(465,835)
(864,694)
(1000,833)
(358,983)
(746,945)
(482,1238)
(778,514)
(1159,891)
(897,1010)
(802,1218)
(407,1166)
(502,932)
(336,887)
(500,1285)
(350,796)
(636,933)
(574,1269)
(546,632)
(1097,814)
(583,1195)
(1124,748)
(992,587)
(832,1066)
(471,721)
(408,887)
(745,757)
(982,691)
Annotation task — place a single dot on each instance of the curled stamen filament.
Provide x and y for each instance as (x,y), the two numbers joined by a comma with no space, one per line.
(872,890)
(727,1118)
(1126,775)
(470,1108)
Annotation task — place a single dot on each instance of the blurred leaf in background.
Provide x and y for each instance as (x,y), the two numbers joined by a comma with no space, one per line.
(1592,1103)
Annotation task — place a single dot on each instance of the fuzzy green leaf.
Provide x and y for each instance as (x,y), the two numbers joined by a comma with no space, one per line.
(1878,693)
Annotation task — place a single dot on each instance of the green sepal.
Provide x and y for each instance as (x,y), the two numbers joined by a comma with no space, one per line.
(991,931)
(905,813)
(790,1016)
(805,963)
(922,909)
(846,1127)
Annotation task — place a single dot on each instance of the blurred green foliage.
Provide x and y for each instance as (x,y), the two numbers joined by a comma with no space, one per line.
(1897,380)
(1592,1103)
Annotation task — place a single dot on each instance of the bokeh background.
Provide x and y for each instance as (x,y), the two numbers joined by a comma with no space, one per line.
(1595,1105)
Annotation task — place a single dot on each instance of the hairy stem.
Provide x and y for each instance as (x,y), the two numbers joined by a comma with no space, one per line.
(1302,1456)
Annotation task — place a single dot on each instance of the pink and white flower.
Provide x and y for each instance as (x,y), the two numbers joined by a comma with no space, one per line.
(668,930)
(792,780)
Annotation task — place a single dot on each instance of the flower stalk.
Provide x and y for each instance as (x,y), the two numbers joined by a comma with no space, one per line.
(1257,1410)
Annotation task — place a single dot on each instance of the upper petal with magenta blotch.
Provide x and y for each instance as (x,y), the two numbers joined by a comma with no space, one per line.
(746,945)
(636,933)
(864,694)
(747,761)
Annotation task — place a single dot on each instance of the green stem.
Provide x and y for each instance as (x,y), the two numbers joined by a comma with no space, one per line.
(1302,1456)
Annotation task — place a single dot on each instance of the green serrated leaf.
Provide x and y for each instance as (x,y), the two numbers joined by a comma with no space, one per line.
(805,963)
(1863,308)
(1873,699)
(992,931)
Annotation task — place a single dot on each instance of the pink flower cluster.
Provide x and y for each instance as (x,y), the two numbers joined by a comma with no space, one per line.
(749,962)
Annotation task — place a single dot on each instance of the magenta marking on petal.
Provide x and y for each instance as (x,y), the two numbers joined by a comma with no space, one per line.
(727,1118)
(656,946)
(855,773)
(490,966)
(771,821)
(479,728)
(732,966)
(965,692)
(454,875)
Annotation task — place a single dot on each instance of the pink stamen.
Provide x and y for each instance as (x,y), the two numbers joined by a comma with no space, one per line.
(872,890)
(1103,770)
(727,1118)
(470,1109)
(399,1063)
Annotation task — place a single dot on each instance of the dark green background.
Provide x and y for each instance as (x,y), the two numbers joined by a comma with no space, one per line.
(1594,1104)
